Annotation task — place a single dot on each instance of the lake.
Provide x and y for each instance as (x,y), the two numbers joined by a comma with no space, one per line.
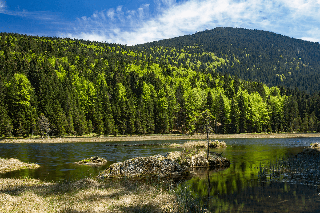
(235,189)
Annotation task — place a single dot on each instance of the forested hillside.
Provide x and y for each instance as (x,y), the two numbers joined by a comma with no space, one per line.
(257,55)
(74,87)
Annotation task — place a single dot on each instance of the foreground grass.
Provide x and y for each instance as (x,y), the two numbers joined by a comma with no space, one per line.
(86,195)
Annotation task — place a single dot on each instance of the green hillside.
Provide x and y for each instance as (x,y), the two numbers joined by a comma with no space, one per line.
(73,87)
(257,55)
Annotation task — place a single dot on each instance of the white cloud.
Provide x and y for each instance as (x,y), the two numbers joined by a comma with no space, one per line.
(111,13)
(39,15)
(313,35)
(2,6)
(295,18)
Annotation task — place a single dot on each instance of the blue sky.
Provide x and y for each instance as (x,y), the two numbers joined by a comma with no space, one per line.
(138,21)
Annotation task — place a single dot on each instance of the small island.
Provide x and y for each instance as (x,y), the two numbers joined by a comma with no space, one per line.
(12,164)
(93,161)
(173,165)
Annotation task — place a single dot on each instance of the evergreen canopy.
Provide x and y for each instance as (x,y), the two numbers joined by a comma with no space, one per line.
(64,86)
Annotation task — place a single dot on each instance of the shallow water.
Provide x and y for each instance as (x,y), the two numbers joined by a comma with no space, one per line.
(235,189)
(57,160)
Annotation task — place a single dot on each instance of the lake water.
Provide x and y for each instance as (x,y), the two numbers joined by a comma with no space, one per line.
(235,189)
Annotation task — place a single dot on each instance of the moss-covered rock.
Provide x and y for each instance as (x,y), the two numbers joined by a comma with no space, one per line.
(173,165)
(93,161)
(156,165)
(204,144)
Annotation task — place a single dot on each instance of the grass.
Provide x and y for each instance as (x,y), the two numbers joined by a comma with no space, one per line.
(90,194)
(8,165)
(204,144)
(198,144)
(93,161)
(86,195)
(95,138)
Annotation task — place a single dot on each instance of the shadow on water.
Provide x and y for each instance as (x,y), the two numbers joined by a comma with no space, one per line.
(237,188)
(209,194)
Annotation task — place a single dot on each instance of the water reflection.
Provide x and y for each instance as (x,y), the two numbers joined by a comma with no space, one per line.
(56,160)
(235,189)
(251,196)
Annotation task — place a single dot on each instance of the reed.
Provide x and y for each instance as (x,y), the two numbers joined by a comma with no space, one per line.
(302,168)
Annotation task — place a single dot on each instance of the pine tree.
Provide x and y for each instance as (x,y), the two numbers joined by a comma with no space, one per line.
(234,117)
(5,123)
(44,125)
(242,114)
(221,116)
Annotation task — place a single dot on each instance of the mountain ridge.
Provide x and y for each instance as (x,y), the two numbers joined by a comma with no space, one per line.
(257,55)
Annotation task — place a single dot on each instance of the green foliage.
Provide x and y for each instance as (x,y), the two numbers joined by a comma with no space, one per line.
(18,99)
(89,87)
(255,55)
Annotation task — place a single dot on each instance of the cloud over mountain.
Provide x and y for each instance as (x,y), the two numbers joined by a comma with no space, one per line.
(295,18)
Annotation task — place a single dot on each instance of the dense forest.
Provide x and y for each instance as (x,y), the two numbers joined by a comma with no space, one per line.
(257,55)
(73,87)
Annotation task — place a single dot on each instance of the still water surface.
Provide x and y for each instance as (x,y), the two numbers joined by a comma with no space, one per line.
(235,189)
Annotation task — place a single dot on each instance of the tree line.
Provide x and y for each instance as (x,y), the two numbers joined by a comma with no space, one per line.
(257,55)
(54,86)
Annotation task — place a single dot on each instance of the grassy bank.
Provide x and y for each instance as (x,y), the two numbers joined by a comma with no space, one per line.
(8,165)
(86,195)
(90,138)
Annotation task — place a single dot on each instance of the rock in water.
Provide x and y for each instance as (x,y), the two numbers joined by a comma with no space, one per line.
(174,165)
(93,161)
(156,165)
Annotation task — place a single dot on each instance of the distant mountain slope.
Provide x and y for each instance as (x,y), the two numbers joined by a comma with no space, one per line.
(54,86)
(258,55)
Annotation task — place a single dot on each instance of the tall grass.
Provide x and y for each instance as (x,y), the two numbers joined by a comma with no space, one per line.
(303,168)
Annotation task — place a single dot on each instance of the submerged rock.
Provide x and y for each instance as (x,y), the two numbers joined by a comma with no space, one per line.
(173,165)
(93,161)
